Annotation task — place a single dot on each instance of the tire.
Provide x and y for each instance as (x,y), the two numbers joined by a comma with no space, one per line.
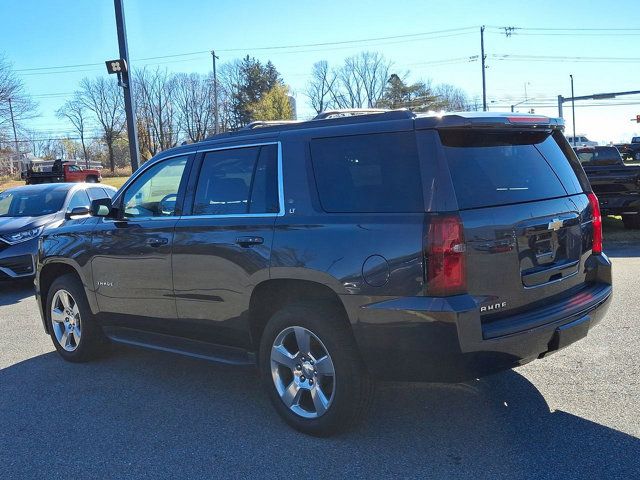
(73,329)
(92,179)
(637,156)
(631,222)
(346,395)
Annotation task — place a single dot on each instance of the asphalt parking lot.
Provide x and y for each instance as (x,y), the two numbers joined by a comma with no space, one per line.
(140,414)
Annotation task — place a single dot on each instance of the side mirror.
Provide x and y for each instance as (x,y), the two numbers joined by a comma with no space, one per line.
(101,207)
(76,212)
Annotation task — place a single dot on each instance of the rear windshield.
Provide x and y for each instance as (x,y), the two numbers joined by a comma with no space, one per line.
(368,173)
(499,168)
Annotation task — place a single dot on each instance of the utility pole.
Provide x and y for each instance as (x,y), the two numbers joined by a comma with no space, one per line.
(484,82)
(215,93)
(560,102)
(129,105)
(573,111)
(15,137)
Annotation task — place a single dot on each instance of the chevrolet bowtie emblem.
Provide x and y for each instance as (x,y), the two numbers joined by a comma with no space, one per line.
(555,224)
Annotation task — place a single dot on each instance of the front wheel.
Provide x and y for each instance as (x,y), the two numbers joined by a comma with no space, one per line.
(92,179)
(74,332)
(312,370)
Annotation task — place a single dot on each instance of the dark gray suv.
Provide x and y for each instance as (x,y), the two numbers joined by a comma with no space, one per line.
(337,251)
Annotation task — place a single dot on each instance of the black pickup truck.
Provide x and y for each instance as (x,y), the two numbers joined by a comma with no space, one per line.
(617,185)
(630,151)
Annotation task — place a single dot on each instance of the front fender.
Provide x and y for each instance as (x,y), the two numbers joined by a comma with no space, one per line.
(64,249)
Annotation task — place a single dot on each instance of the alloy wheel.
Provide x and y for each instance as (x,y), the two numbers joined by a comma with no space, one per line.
(303,372)
(65,320)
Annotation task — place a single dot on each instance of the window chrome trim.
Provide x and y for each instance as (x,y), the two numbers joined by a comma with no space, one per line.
(280,183)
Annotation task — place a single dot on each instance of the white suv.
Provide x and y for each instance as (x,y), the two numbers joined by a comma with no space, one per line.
(581,141)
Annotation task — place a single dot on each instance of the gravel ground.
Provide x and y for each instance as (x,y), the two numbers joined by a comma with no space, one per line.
(140,414)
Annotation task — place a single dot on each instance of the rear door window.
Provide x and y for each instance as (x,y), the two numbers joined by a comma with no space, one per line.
(500,168)
(238,181)
(79,199)
(368,173)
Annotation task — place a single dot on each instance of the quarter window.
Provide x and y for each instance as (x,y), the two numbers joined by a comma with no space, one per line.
(155,192)
(368,173)
(238,181)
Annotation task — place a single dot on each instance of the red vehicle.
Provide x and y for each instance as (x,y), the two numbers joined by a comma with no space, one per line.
(61,172)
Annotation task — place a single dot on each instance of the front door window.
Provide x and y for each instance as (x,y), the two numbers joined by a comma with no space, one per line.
(154,193)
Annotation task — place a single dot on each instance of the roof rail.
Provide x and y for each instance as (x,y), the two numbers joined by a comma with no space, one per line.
(267,123)
(348,112)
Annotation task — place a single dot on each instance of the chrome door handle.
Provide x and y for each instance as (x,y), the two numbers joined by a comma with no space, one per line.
(157,242)
(249,241)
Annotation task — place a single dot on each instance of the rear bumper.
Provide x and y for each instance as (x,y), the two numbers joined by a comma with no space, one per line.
(444,339)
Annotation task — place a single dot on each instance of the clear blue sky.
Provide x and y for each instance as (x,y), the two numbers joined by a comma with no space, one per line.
(60,33)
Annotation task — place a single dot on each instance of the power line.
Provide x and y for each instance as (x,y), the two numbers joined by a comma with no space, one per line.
(551,58)
(429,35)
(565,31)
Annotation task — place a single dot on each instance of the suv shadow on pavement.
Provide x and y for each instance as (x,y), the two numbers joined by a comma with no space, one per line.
(144,414)
(13,291)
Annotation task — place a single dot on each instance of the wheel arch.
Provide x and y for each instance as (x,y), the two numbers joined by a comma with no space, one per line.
(271,295)
(48,273)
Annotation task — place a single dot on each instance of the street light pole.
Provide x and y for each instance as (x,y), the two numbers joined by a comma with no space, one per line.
(573,111)
(129,102)
(215,93)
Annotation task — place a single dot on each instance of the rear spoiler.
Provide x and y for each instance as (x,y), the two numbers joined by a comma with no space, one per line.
(489,120)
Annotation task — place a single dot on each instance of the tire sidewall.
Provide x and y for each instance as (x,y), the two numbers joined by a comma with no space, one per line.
(348,367)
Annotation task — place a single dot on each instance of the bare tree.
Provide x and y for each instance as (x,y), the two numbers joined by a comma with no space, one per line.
(12,89)
(362,80)
(320,87)
(230,78)
(451,98)
(75,111)
(104,98)
(156,110)
(193,94)
(46,148)
(359,83)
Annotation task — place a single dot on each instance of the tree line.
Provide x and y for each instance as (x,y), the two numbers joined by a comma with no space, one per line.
(172,108)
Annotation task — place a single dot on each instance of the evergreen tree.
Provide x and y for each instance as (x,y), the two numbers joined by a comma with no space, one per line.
(398,94)
(256,80)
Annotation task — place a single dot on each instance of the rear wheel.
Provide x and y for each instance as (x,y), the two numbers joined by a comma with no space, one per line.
(74,332)
(312,370)
(631,222)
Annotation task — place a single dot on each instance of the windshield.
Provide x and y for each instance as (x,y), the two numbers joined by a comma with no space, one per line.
(31,203)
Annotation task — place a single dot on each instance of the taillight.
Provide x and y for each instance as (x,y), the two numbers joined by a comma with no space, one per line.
(596,222)
(445,256)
